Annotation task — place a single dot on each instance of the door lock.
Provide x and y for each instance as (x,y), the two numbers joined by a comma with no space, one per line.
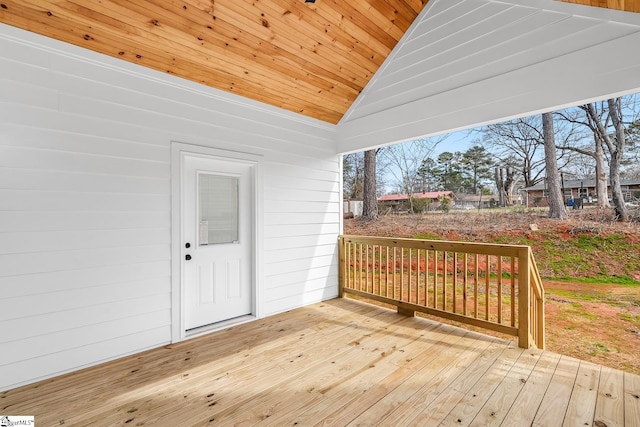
(187,257)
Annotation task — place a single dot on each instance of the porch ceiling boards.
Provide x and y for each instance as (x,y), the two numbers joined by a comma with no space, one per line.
(310,58)
(336,362)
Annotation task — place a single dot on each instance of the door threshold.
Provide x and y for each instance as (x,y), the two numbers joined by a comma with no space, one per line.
(218,326)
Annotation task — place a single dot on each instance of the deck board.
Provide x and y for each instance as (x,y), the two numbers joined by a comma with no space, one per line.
(523,409)
(496,408)
(584,396)
(340,362)
(610,407)
(632,399)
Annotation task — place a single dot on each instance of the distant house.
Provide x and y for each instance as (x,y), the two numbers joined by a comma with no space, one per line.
(400,202)
(578,188)
(352,208)
(473,201)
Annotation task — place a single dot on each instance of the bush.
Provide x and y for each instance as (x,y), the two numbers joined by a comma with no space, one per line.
(421,205)
(445,204)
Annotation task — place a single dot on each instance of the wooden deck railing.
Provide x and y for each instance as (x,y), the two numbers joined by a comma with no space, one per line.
(473,283)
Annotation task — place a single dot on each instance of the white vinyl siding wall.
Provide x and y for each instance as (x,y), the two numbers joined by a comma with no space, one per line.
(470,62)
(85,209)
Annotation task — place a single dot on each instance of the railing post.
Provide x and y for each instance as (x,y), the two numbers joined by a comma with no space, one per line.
(342,266)
(539,306)
(524,306)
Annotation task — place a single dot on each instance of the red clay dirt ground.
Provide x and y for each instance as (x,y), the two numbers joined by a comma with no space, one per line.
(598,322)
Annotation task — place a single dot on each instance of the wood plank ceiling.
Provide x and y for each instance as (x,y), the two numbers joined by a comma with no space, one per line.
(310,58)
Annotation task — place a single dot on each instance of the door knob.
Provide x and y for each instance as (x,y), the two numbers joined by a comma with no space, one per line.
(187,245)
(187,257)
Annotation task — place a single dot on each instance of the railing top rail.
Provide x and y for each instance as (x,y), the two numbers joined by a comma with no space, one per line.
(537,282)
(441,245)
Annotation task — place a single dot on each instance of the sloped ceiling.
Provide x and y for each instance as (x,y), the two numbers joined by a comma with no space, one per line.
(470,62)
(310,58)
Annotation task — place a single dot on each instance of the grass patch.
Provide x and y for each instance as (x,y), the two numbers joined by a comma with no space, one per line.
(580,295)
(627,317)
(578,310)
(604,280)
(598,349)
(593,296)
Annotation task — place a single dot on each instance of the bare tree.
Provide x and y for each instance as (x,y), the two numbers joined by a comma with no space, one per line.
(615,143)
(606,120)
(370,199)
(593,114)
(631,149)
(505,181)
(352,176)
(555,196)
(520,140)
(406,159)
(520,143)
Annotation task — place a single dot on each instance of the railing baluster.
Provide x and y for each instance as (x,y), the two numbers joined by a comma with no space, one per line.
(380,269)
(401,273)
(417,276)
(444,280)
(349,279)
(475,286)
(426,278)
(464,283)
(513,291)
(386,277)
(365,266)
(455,279)
(393,277)
(435,278)
(410,268)
(499,289)
(487,291)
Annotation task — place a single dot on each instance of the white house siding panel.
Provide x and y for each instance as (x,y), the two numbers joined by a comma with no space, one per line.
(85,202)
(468,63)
(300,235)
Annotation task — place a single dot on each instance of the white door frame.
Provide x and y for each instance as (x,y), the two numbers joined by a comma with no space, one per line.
(178,150)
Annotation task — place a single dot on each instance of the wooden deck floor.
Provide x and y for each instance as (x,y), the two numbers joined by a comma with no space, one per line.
(338,363)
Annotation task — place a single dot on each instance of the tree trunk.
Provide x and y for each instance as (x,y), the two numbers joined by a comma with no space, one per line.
(601,175)
(369,200)
(556,200)
(509,185)
(617,150)
(499,179)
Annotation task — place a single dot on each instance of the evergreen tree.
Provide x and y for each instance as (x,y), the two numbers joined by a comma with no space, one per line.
(477,163)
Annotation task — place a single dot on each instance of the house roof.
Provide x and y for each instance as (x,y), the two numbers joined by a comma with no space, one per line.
(423,195)
(310,58)
(578,183)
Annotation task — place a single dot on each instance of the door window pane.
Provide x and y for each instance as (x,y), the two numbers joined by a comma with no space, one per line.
(217,208)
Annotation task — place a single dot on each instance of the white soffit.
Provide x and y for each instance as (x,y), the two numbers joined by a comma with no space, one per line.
(471,62)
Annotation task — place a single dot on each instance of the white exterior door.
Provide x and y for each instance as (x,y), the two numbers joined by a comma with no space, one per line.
(216,240)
